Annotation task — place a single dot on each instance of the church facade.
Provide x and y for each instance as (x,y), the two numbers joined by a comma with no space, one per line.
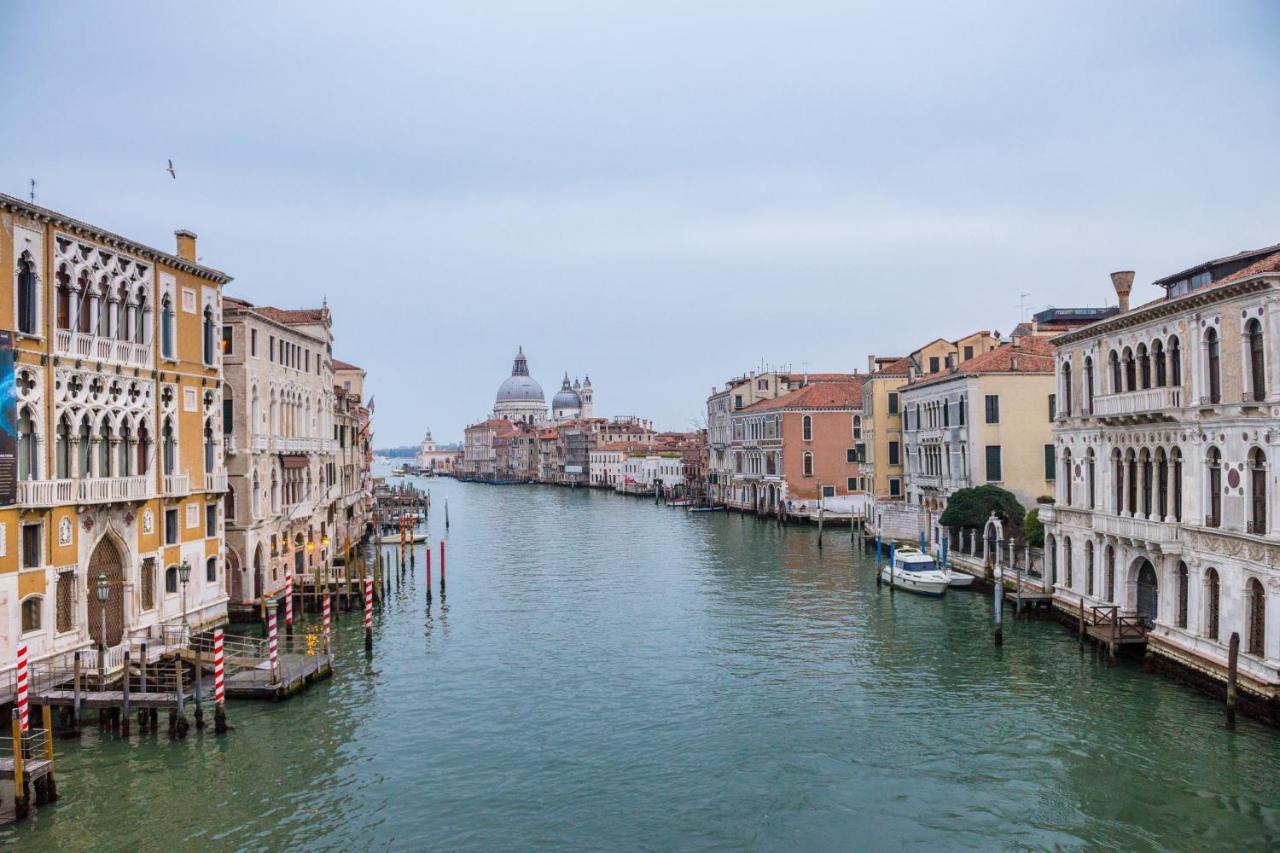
(520,399)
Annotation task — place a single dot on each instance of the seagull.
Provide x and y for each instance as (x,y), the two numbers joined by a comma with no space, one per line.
(171,172)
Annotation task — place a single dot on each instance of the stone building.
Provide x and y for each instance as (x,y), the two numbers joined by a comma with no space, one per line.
(284,483)
(114,463)
(352,460)
(1166,443)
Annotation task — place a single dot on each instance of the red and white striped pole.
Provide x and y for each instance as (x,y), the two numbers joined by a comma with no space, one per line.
(22,685)
(219,685)
(288,602)
(368,613)
(273,644)
(326,623)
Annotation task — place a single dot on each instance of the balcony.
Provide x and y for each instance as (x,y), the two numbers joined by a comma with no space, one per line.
(216,481)
(1165,535)
(107,350)
(94,490)
(1151,404)
(177,484)
(260,441)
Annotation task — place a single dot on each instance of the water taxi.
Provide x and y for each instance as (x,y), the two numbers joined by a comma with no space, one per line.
(914,571)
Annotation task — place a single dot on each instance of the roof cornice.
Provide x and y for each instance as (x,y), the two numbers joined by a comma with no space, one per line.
(115,241)
(1165,308)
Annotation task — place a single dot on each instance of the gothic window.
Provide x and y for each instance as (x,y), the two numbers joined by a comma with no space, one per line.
(1144,366)
(63,279)
(807,428)
(84,303)
(1131,484)
(1175,362)
(1213,357)
(1257,607)
(1257,370)
(1146,482)
(1157,356)
(1091,474)
(1088,568)
(1257,491)
(209,335)
(210,456)
(28,446)
(1213,590)
(1183,591)
(1130,371)
(104,449)
(28,296)
(62,448)
(1162,485)
(166,327)
(808,464)
(1066,389)
(83,457)
(1066,475)
(1175,458)
(1117,480)
(1213,518)
(1066,561)
(142,320)
(1117,385)
(169,453)
(1111,573)
(1088,385)
(144,450)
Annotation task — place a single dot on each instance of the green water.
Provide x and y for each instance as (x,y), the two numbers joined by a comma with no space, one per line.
(607,674)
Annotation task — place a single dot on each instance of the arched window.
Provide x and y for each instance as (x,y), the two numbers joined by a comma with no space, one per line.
(171,579)
(1110,569)
(1157,356)
(1175,462)
(1088,385)
(144,450)
(1091,473)
(211,570)
(142,320)
(105,304)
(1212,592)
(1066,561)
(1117,383)
(124,454)
(83,458)
(806,426)
(169,448)
(1257,370)
(1130,371)
(1144,366)
(210,452)
(166,327)
(32,610)
(28,446)
(208,335)
(1257,491)
(255,496)
(1066,388)
(104,449)
(84,303)
(1175,362)
(63,279)
(1213,515)
(28,296)
(808,464)
(1145,459)
(1051,556)
(1088,568)
(961,412)
(1213,362)
(228,411)
(1117,480)
(1183,593)
(275,491)
(1066,476)
(1162,485)
(1131,480)
(1256,605)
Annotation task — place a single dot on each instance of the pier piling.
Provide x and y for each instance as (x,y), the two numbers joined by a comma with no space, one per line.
(1233,673)
(999,605)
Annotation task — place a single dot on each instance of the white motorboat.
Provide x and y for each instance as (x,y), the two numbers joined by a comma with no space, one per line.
(915,572)
(957,579)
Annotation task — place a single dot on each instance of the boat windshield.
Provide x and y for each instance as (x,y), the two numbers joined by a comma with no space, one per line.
(919,566)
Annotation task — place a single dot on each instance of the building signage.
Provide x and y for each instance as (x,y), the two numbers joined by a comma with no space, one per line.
(8,423)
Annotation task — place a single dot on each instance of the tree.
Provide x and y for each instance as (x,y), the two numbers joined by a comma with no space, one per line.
(970,508)
(1033,529)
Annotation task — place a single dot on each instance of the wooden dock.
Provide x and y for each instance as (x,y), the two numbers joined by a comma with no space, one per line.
(295,673)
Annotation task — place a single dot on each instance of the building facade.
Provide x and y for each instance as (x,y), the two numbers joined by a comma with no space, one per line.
(1168,419)
(114,403)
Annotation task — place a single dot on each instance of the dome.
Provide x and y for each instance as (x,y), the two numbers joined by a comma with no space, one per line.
(520,387)
(566,397)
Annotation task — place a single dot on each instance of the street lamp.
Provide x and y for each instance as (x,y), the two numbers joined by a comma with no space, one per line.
(184,575)
(104,592)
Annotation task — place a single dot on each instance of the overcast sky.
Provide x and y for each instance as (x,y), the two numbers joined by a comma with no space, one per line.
(661,195)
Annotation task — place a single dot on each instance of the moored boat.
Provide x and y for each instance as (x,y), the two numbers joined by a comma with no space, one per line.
(706,509)
(914,571)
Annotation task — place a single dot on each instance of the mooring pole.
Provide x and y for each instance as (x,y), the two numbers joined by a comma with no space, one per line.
(1233,671)
(442,564)
(427,565)
(821,507)
(892,567)
(999,605)
(124,697)
(368,614)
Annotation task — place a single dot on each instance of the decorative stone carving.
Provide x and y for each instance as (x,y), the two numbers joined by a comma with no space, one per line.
(64,531)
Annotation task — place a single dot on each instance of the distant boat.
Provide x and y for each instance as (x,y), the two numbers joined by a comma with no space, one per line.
(678,502)
(915,572)
(398,471)
(706,509)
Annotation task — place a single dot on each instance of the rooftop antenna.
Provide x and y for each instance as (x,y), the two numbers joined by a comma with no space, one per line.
(33,191)
(1022,306)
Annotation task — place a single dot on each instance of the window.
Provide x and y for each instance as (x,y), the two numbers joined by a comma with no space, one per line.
(1066,392)
(1213,518)
(28,296)
(166,327)
(851,455)
(228,410)
(828,491)
(226,340)
(63,618)
(808,464)
(211,519)
(253,342)
(1257,491)
(993,409)
(1213,357)
(968,353)
(962,411)
(895,487)
(861,450)
(1257,370)
(32,605)
(1053,406)
(933,364)
(893,402)
(851,484)
(1066,561)
(894,453)
(737,398)
(1213,590)
(1088,385)
(211,570)
(1175,362)
(271,348)
(1088,568)
(1182,595)
(994,473)
(148,584)
(171,579)
(1050,463)
(171,527)
(32,539)
(1117,384)
(1256,600)
(806,428)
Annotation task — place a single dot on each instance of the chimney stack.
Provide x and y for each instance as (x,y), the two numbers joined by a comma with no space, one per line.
(186,244)
(1123,282)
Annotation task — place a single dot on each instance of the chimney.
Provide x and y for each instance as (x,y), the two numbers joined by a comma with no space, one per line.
(186,244)
(1123,282)
(871,364)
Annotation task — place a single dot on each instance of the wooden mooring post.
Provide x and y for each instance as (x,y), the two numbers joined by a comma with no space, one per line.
(998,572)
(21,796)
(1233,673)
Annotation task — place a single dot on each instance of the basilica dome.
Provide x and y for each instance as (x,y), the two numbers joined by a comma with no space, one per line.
(520,387)
(566,397)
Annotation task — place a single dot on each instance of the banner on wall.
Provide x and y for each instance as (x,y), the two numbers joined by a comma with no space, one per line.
(8,423)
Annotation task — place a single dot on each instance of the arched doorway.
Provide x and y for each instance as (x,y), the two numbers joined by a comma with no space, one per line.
(257,572)
(106,560)
(1148,592)
(234,579)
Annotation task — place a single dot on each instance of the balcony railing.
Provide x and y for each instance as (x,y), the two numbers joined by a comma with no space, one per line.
(1135,404)
(90,490)
(177,484)
(95,348)
(1146,530)
(261,441)
(215,481)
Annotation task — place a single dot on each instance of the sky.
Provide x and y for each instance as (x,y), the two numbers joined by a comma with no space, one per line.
(661,195)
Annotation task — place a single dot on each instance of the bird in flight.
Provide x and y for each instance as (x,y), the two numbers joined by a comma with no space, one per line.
(171,171)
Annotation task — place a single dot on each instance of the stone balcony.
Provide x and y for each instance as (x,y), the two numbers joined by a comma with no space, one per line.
(215,481)
(176,484)
(1163,535)
(1150,404)
(107,350)
(90,490)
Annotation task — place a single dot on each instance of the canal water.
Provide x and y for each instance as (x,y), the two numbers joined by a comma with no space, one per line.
(608,674)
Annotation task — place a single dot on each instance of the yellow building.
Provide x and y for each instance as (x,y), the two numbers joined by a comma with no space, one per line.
(113,465)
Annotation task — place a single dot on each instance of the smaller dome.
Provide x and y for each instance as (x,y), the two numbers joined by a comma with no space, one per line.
(566,397)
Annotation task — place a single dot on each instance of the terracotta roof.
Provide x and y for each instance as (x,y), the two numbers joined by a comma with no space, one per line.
(1032,354)
(295,316)
(816,395)
(1266,251)
(628,446)
(827,377)
(339,364)
(1265,264)
(897,367)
